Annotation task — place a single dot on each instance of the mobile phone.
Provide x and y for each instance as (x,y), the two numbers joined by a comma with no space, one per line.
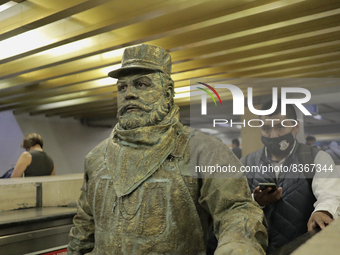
(263,186)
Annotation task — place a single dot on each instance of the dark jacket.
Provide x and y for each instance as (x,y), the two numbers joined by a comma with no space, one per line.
(287,218)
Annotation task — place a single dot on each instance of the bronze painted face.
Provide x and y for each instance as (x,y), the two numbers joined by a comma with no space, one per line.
(141,100)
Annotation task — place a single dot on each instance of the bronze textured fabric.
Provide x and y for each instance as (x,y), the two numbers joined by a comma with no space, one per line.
(165,210)
(141,150)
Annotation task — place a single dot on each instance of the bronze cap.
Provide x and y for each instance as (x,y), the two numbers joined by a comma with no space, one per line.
(143,57)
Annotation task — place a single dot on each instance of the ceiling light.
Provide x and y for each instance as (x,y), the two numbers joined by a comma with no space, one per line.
(32,39)
(113,54)
(182,95)
(182,89)
(105,81)
(108,69)
(7,5)
(317,117)
(70,47)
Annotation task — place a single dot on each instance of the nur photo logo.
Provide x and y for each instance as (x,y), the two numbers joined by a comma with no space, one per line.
(238,102)
(212,89)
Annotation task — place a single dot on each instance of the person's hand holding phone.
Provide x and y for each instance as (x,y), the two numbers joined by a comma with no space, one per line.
(266,196)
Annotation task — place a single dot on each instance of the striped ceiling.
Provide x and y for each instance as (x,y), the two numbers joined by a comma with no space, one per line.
(55,54)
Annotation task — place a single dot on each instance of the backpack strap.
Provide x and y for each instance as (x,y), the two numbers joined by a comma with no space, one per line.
(306,155)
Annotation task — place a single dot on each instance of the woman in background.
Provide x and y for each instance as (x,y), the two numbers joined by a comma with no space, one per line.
(34,161)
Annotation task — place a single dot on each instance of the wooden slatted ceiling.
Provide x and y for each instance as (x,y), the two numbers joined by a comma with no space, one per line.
(55,54)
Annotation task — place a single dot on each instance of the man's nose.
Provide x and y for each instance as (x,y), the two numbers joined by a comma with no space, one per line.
(273,133)
(131,93)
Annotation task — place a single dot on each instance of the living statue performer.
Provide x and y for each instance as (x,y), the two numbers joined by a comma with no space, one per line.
(139,195)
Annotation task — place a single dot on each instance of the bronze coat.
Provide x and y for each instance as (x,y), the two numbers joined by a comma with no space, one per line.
(172,210)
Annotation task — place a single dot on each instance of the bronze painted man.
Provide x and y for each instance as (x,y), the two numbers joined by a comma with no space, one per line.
(139,195)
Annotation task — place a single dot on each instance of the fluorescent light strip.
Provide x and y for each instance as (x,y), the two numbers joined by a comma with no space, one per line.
(182,89)
(7,5)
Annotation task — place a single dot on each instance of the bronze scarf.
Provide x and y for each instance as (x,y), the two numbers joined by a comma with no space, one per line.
(134,155)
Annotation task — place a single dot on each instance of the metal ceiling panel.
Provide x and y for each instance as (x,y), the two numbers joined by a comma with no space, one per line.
(55,54)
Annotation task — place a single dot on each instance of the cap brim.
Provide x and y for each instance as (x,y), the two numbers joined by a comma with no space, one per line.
(124,71)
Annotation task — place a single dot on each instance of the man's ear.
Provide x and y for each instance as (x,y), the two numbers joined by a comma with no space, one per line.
(169,92)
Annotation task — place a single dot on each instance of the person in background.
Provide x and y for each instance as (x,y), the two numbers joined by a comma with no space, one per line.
(235,145)
(334,151)
(310,140)
(34,161)
(304,200)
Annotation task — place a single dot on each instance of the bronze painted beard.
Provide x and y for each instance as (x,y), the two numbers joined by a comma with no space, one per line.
(146,116)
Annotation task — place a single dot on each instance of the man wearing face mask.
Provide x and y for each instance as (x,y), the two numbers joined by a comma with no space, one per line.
(304,200)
